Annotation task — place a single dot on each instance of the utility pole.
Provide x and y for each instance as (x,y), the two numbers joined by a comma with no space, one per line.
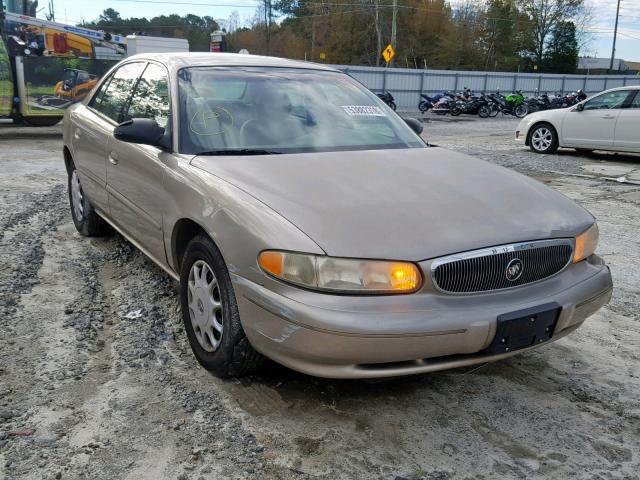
(615,34)
(393,26)
(378,32)
(51,16)
(267,22)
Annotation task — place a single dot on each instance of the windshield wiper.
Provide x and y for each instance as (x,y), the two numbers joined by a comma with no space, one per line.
(240,151)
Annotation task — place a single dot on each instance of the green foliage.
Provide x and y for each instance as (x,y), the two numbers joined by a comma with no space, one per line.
(192,27)
(561,55)
(501,35)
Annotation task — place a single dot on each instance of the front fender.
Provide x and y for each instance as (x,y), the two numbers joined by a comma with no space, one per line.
(240,225)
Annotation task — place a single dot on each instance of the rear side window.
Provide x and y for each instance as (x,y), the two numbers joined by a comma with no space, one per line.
(113,98)
(151,96)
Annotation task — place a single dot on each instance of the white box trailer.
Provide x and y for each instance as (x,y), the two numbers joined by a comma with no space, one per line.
(145,44)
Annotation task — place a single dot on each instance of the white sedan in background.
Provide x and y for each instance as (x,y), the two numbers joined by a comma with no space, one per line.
(609,120)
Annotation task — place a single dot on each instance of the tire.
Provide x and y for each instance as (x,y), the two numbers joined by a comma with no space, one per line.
(215,333)
(423,106)
(494,111)
(543,138)
(393,105)
(521,111)
(484,111)
(41,121)
(87,222)
(455,111)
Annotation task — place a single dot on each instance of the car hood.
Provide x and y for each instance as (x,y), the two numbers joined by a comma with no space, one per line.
(409,204)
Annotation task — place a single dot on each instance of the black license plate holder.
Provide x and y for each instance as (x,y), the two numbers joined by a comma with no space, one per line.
(524,328)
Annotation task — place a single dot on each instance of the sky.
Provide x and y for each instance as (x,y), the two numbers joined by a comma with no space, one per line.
(600,28)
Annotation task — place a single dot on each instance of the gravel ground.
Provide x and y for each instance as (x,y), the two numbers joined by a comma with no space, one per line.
(97,380)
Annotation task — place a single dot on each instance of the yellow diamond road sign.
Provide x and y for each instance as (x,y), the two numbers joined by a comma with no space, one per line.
(388,53)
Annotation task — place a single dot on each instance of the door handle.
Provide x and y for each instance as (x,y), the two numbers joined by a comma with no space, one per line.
(113,158)
(76,134)
(609,117)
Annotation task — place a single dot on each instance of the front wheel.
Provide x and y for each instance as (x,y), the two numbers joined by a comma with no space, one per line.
(210,312)
(544,139)
(455,111)
(393,105)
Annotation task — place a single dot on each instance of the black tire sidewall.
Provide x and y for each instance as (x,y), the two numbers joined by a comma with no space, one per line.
(80,224)
(220,360)
(554,141)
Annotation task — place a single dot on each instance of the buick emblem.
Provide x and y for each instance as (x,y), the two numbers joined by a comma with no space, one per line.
(514,270)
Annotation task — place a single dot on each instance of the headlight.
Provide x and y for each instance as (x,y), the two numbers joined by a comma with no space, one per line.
(586,243)
(343,275)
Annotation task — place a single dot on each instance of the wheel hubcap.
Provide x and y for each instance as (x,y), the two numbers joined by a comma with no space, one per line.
(541,138)
(76,196)
(205,306)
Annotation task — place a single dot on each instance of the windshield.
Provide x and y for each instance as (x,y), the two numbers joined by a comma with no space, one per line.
(278,110)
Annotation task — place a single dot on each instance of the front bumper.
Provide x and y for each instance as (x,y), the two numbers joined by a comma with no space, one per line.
(365,337)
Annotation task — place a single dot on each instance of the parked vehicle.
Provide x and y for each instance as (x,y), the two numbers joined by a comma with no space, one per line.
(473,105)
(444,104)
(512,104)
(607,121)
(387,98)
(427,102)
(308,223)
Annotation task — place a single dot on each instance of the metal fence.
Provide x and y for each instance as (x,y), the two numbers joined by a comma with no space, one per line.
(406,84)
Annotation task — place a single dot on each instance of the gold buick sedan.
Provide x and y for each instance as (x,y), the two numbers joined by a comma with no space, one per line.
(308,223)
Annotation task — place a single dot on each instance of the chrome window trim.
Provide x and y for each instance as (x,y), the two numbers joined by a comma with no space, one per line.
(507,248)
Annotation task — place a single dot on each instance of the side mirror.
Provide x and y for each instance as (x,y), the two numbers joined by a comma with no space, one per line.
(144,131)
(580,107)
(414,124)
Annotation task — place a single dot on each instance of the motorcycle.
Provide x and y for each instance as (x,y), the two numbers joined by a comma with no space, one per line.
(472,105)
(427,102)
(445,104)
(387,98)
(512,104)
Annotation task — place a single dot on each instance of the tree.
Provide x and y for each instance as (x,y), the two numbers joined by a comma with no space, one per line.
(545,16)
(192,27)
(561,55)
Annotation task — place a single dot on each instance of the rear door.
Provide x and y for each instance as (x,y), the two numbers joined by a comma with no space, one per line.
(135,173)
(92,129)
(594,127)
(627,135)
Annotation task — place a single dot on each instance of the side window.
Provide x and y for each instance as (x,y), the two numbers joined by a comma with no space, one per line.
(151,97)
(607,100)
(114,99)
(636,101)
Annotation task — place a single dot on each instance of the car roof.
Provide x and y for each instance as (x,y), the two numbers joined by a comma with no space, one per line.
(626,87)
(176,61)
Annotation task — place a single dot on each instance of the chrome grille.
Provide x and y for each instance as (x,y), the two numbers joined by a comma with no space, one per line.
(486,270)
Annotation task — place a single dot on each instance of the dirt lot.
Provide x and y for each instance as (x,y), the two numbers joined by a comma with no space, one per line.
(97,380)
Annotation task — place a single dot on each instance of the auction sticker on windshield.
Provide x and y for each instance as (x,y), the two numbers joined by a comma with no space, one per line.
(363,111)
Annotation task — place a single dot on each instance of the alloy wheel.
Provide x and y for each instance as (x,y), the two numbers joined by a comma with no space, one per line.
(542,139)
(205,306)
(77,197)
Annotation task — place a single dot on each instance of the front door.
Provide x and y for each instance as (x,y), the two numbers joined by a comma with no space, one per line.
(135,173)
(628,127)
(93,130)
(594,126)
